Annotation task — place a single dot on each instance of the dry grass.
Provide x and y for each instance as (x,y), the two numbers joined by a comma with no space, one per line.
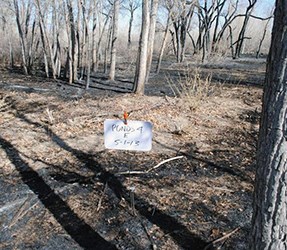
(192,88)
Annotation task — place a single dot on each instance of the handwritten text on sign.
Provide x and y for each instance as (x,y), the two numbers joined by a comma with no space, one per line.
(135,135)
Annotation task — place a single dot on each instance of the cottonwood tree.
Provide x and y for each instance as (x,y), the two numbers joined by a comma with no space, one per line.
(269,224)
(181,15)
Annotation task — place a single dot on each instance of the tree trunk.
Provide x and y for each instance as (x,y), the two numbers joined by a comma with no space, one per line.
(262,39)
(108,46)
(114,40)
(151,37)
(44,50)
(44,36)
(101,36)
(21,35)
(142,55)
(241,36)
(163,45)
(73,49)
(130,29)
(94,44)
(269,224)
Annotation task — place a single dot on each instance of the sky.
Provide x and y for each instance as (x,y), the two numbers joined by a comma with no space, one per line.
(263,7)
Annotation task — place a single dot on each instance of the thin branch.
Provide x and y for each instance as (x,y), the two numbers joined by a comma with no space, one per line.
(224,237)
(101,198)
(150,169)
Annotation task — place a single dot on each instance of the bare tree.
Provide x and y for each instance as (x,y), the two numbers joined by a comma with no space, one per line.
(131,6)
(269,224)
(229,16)
(93,37)
(101,33)
(181,15)
(47,48)
(262,38)
(163,45)
(114,39)
(72,53)
(23,31)
(211,28)
(57,48)
(141,67)
(153,16)
(241,36)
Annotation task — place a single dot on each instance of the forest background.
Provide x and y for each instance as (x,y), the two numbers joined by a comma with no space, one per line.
(73,39)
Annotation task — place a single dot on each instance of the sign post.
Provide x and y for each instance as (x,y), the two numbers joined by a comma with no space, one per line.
(128,135)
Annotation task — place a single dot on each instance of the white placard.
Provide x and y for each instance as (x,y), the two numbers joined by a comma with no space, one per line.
(135,135)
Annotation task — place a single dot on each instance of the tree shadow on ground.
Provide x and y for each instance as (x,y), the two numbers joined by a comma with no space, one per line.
(79,231)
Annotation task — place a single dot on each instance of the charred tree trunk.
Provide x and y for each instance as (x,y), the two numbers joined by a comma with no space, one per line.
(269,230)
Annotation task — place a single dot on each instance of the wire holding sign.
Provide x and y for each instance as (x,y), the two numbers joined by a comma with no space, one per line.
(134,135)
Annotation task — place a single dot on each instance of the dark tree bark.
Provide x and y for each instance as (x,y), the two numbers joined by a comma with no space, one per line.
(269,225)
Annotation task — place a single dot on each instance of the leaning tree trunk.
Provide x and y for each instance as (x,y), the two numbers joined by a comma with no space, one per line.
(262,39)
(269,229)
(151,37)
(163,45)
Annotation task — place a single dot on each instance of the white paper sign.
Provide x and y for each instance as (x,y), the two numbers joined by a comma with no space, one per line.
(135,135)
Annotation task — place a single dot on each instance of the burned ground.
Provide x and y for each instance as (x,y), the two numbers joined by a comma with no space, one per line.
(61,189)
